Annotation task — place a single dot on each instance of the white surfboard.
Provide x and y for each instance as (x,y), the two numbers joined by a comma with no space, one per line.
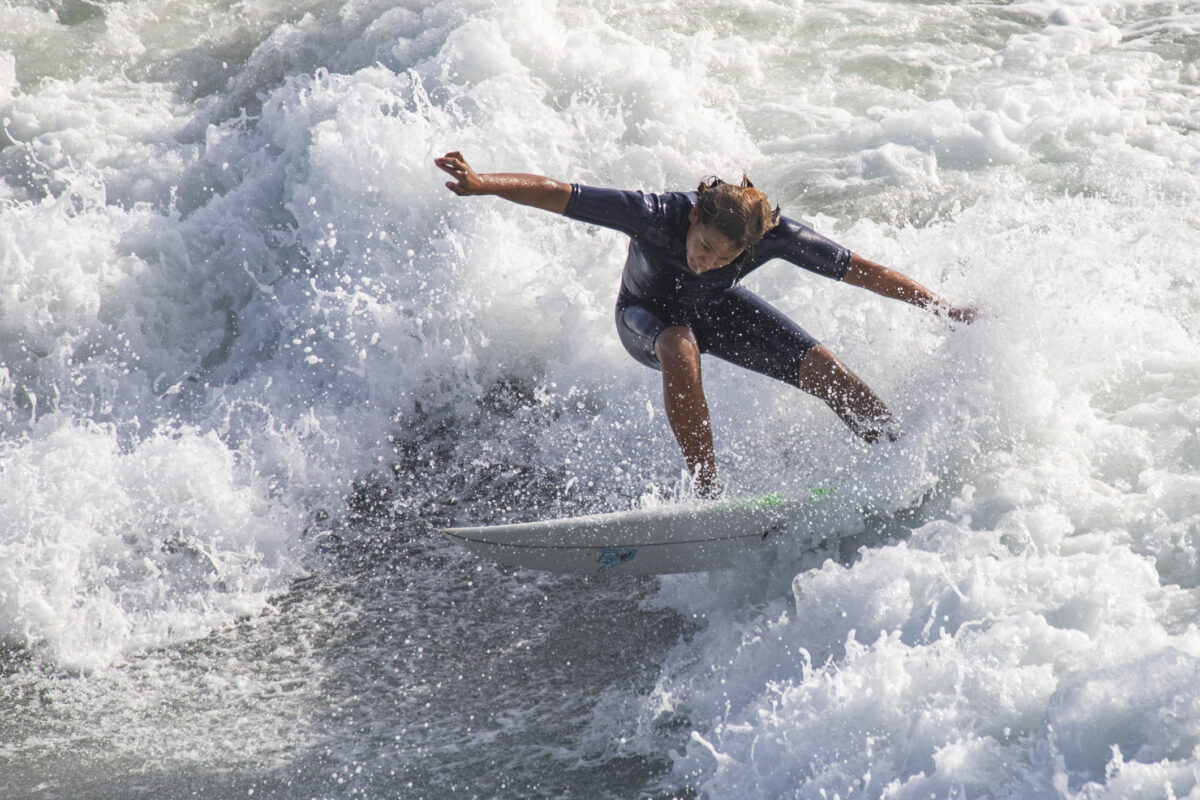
(653,541)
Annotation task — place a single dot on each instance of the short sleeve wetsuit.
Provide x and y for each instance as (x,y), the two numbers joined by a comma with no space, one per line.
(659,290)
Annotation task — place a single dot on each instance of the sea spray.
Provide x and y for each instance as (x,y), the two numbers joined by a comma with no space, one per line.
(247,336)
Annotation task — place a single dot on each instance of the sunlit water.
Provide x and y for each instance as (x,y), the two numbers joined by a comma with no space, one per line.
(252,353)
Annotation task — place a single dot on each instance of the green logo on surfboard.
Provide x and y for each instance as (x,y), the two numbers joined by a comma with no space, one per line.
(773,500)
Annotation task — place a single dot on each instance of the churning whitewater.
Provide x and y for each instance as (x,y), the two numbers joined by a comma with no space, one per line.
(253,354)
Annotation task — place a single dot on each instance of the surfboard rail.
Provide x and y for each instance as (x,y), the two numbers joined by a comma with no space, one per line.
(671,538)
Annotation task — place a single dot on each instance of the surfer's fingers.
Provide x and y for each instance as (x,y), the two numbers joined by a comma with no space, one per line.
(453,161)
(964,314)
(453,164)
(448,166)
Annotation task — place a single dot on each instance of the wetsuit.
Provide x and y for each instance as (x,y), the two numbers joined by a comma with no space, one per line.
(658,290)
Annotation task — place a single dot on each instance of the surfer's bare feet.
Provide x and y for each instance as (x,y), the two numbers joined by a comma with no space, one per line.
(824,376)
(875,433)
(708,487)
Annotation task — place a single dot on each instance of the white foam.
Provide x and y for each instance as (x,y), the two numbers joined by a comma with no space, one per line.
(107,551)
(230,267)
(1061,566)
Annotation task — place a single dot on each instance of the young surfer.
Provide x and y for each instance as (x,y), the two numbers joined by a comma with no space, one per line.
(680,296)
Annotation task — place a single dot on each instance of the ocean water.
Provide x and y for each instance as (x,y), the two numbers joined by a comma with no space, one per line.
(253,353)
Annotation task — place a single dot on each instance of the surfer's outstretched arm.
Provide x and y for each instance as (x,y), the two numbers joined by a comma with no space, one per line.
(898,286)
(528,190)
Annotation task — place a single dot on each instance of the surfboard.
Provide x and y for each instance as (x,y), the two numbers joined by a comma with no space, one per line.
(684,537)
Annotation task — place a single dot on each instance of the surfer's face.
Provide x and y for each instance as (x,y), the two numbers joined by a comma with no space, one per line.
(708,248)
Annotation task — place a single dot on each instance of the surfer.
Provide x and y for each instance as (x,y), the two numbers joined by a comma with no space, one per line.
(680,296)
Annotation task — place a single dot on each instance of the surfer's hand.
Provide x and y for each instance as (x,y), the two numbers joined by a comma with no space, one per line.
(963,314)
(465,182)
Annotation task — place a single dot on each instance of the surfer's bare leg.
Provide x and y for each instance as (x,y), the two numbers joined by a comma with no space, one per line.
(824,376)
(687,408)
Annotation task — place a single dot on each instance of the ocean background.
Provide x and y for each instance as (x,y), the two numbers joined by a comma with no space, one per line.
(253,354)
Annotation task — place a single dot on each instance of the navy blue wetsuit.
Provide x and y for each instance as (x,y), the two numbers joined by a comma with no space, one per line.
(658,290)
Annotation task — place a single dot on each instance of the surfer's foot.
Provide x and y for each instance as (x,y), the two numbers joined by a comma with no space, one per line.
(824,376)
(886,432)
(707,487)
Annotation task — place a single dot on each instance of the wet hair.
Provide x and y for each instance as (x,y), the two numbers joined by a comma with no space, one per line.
(740,213)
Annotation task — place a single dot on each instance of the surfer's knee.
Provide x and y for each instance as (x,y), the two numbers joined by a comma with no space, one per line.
(822,375)
(676,348)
